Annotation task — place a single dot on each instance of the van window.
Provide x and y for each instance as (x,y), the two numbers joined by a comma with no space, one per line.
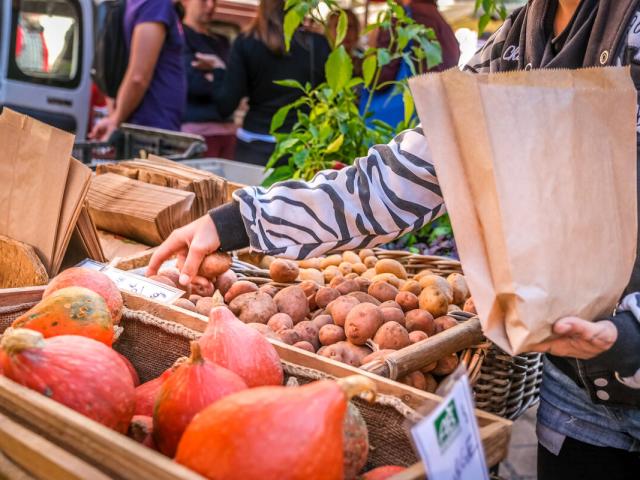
(46,42)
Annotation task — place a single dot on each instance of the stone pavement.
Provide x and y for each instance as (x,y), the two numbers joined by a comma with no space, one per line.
(521,461)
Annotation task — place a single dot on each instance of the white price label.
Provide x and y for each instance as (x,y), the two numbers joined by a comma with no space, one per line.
(142,286)
(448,439)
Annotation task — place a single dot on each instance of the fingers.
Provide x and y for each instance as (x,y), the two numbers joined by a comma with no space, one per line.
(172,245)
(191,265)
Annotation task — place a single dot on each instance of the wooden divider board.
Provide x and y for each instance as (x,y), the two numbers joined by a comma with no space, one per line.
(123,458)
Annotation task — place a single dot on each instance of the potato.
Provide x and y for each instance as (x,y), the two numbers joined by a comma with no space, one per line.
(364,284)
(337,281)
(305,346)
(204,306)
(422,273)
(326,295)
(345,268)
(348,286)
(434,301)
(459,287)
(470,306)
(293,301)
(362,322)
(417,336)
(439,282)
(390,278)
(330,334)
(312,274)
(350,257)
(330,261)
(351,276)
(347,353)
(280,321)
(392,314)
(369,274)
(431,383)
(382,291)
(164,280)
(370,262)
(172,273)
(359,268)
(407,301)
(392,335)
(289,336)
(420,320)
(366,252)
(322,320)
(308,332)
(239,288)
(283,271)
(269,289)
(186,304)
(378,354)
(411,286)
(415,380)
(364,298)
(330,273)
(446,365)
(205,290)
(214,264)
(266,261)
(256,307)
(453,308)
(391,303)
(340,307)
(320,350)
(311,263)
(225,280)
(194,298)
(444,323)
(387,265)
(310,288)
(429,368)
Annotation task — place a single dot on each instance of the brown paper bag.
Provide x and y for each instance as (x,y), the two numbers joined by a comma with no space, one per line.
(538,173)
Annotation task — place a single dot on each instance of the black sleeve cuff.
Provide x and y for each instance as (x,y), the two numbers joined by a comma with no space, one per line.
(230,226)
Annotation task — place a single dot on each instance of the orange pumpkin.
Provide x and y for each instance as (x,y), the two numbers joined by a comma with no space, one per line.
(273,432)
(382,473)
(70,311)
(147,393)
(93,280)
(78,372)
(191,387)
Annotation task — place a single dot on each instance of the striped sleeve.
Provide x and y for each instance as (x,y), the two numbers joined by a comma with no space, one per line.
(392,191)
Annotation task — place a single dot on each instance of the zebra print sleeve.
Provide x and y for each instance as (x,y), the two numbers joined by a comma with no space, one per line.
(392,191)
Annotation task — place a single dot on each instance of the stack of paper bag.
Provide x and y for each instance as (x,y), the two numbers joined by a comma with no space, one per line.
(538,174)
(43,190)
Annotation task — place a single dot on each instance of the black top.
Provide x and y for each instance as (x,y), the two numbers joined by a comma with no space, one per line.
(200,104)
(252,69)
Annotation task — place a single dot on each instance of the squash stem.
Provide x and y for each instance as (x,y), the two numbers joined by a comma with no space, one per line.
(16,340)
(358,385)
(196,353)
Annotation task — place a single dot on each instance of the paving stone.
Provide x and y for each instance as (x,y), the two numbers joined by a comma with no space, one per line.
(521,460)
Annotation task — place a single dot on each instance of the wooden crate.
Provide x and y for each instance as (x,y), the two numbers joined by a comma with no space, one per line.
(121,458)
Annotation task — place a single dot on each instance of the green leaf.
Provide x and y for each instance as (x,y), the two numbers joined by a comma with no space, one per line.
(369,69)
(280,116)
(341,31)
(383,57)
(407,100)
(289,83)
(278,174)
(335,145)
(483,22)
(339,68)
(300,157)
(434,53)
(292,20)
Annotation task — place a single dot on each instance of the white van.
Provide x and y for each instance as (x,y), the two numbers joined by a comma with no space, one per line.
(46,50)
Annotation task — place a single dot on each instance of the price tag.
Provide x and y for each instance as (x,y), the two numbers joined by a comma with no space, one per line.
(142,286)
(448,439)
(90,264)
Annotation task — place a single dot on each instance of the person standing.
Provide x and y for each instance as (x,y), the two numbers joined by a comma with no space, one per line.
(258,59)
(153,90)
(203,52)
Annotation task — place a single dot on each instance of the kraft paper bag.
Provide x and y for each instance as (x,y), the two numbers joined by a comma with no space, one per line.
(538,174)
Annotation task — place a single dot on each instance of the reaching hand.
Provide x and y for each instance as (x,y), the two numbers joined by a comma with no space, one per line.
(103,129)
(207,62)
(579,338)
(190,244)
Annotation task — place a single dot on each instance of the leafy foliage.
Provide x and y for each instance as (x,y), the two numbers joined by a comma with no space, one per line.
(490,9)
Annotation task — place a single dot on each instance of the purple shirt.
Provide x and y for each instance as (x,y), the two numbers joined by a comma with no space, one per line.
(163,104)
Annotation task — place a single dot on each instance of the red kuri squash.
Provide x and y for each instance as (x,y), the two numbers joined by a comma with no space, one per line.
(141,430)
(79,372)
(147,393)
(382,473)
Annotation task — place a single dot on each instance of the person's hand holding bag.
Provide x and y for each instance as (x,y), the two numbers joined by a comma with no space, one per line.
(579,338)
(190,244)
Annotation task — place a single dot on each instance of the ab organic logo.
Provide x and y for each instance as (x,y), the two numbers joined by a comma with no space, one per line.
(447,426)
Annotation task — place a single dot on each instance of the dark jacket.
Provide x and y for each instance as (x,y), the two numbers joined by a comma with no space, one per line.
(201,106)
(252,70)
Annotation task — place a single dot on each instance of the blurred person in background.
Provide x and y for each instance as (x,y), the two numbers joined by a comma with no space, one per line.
(153,90)
(32,54)
(258,58)
(205,50)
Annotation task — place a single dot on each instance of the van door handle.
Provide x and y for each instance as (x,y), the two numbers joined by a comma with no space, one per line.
(59,101)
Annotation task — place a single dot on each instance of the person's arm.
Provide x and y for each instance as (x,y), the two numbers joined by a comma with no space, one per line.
(231,85)
(146,44)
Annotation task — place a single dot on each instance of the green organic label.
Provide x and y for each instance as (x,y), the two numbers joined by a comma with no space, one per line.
(447,426)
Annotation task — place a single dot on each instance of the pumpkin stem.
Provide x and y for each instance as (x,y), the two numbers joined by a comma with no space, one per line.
(358,385)
(196,353)
(19,339)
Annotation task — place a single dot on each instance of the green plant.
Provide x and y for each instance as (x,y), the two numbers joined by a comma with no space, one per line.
(490,9)
(330,131)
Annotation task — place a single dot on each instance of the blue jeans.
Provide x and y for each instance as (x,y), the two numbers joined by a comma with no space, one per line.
(567,411)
